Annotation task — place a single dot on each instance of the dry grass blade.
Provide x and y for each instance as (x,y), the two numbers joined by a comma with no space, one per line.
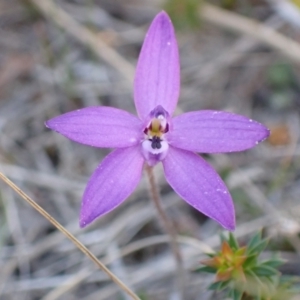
(257,30)
(71,237)
(85,36)
(202,247)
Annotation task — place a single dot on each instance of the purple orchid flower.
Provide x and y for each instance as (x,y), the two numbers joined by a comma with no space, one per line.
(157,137)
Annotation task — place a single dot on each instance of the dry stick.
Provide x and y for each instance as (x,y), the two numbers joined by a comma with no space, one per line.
(85,36)
(255,29)
(168,226)
(71,237)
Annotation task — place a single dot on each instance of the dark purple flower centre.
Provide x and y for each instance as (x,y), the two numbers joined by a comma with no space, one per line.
(155,142)
(155,146)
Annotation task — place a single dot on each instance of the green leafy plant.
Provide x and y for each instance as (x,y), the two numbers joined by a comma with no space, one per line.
(240,271)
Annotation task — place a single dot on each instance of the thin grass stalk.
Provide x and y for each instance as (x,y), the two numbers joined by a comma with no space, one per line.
(71,237)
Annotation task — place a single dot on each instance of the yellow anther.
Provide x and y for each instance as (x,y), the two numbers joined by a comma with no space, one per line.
(155,126)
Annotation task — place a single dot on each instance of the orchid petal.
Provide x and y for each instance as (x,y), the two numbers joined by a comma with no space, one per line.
(99,127)
(193,179)
(157,78)
(112,182)
(209,131)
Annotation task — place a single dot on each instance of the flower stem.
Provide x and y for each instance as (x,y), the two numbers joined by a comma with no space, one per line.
(169,229)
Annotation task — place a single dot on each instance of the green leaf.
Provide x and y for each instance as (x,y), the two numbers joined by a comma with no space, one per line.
(258,247)
(207,269)
(254,241)
(237,295)
(219,285)
(273,262)
(233,243)
(250,261)
(260,284)
(224,284)
(211,254)
(215,286)
(263,270)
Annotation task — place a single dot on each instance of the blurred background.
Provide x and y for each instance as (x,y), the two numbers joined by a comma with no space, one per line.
(57,56)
